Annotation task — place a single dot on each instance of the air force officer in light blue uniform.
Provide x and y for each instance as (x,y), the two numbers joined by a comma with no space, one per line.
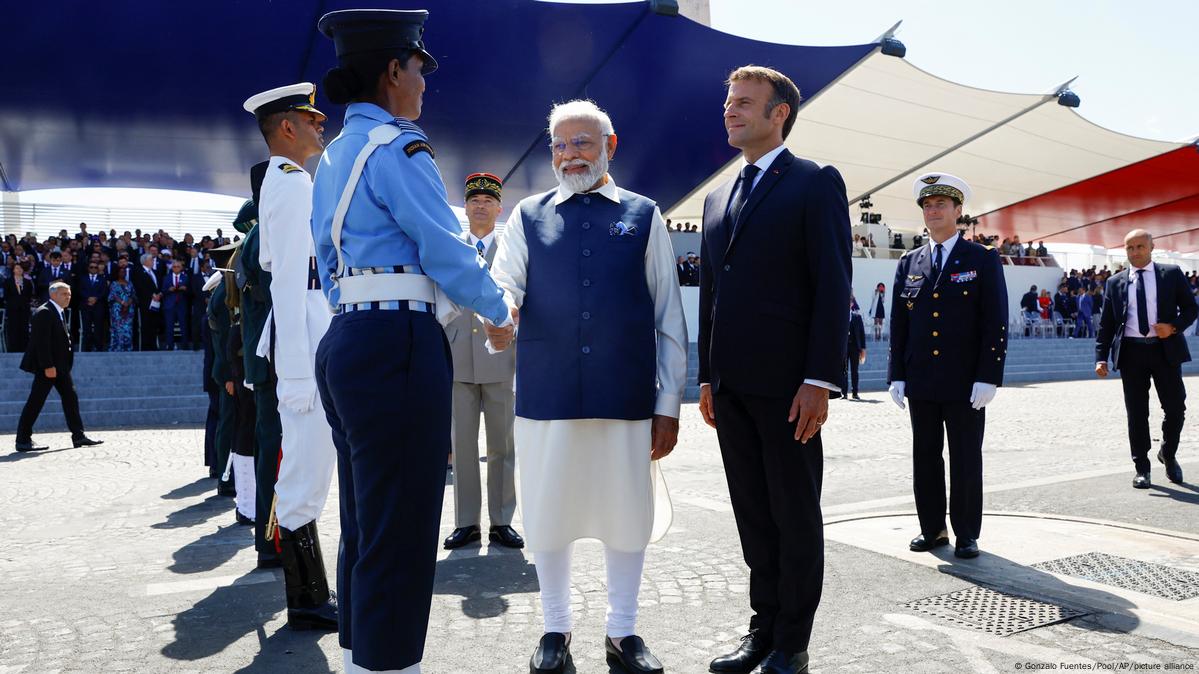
(389,251)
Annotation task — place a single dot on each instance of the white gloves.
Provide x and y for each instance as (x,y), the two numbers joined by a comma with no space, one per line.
(981,395)
(896,391)
(297,395)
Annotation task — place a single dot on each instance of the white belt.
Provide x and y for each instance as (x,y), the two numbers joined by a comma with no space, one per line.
(386,288)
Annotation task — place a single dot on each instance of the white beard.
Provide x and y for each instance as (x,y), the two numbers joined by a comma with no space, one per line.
(581,182)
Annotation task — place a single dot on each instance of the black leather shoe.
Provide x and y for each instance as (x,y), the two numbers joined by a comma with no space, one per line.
(1141,481)
(966,548)
(506,536)
(323,618)
(462,536)
(29,447)
(754,647)
(242,519)
(782,662)
(226,489)
(269,560)
(1173,470)
(924,542)
(84,441)
(857,397)
(633,655)
(552,654)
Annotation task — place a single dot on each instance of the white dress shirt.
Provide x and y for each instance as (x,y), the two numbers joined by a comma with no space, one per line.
(1130,317)
(511,271)
(474,240)
(946,249)
(763,164)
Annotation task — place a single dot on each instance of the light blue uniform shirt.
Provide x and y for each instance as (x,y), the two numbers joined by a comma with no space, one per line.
(399,215)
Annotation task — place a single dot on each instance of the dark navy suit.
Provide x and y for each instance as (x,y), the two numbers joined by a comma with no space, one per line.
(946,334)
(774,298)
(176,307)
(1159,360)
(93,315)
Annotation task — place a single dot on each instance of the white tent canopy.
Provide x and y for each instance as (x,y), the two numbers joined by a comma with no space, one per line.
(886,122)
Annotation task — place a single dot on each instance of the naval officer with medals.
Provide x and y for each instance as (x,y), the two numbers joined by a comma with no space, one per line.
(390,258)
(948,345)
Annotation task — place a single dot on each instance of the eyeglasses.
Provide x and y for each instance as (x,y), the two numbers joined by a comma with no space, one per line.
(583,143)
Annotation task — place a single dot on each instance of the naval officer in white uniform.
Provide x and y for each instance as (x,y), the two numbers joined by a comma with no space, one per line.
(300,316)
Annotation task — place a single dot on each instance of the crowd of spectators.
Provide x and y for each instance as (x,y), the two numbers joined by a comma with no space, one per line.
(688,268)
(135,291)
(680,226)
(1074,309)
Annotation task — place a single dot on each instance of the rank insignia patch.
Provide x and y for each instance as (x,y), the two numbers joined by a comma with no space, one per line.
(289,168)
(929,180)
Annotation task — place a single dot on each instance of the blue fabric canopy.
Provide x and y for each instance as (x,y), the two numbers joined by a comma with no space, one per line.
(137,94)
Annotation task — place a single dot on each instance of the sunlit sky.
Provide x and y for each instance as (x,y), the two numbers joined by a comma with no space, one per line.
(1136,61)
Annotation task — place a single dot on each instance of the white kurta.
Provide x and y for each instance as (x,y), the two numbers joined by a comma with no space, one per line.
(592,478)
(300,318)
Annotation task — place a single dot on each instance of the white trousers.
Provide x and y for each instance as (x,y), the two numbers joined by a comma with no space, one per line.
(307,467)
(347,659)
(245,484)
(624,585)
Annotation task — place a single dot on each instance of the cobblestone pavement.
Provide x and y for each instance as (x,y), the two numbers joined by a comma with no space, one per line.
(121,558)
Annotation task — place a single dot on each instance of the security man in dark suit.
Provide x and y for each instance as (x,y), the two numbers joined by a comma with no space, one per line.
(774,287)
(855,352)
(94,308)
(1148,307)
(948,346)
(49,358)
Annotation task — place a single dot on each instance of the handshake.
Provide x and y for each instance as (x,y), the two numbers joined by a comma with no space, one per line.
(500,338)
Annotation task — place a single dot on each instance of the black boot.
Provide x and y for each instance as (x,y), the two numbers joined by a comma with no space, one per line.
(309,606)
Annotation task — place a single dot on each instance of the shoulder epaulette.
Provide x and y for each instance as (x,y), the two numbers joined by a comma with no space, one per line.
(289,168)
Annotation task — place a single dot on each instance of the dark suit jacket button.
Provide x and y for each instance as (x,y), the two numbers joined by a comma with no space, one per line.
(726,267)
(586,349)
(586,315)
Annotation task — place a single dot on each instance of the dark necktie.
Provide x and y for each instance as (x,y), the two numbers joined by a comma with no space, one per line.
(745,185)
(937,261)
(1142,305)
(479,247)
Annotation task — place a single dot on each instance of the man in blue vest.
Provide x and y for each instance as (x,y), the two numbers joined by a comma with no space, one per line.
(591,269)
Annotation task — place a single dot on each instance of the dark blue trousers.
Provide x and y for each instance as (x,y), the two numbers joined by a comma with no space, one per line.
(932,423)
(384,379)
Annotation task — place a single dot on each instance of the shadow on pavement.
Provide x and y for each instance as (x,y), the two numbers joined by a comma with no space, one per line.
(20,456)
(200,486)
(212,550)
(483,579)
(1106,612)
(1183,492)
(230,613)
(289,651)
(197,513)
